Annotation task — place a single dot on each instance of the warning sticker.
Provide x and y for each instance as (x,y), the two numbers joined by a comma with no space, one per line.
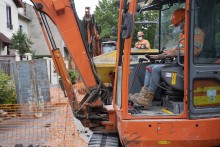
(164,142)
(173,82)
(168,74)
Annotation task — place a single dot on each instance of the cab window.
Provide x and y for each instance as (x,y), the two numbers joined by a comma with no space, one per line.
(208,20)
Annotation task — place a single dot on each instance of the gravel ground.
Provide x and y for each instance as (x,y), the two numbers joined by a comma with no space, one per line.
(54,126)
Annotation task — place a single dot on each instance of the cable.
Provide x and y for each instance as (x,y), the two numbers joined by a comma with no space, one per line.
(46,25)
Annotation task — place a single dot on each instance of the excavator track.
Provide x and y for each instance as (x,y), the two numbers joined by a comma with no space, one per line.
(100,139)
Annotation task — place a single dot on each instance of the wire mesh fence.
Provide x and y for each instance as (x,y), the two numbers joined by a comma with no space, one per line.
(35,123)
(50,124)
(6,66)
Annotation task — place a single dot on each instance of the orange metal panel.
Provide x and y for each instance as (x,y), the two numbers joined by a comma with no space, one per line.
(118,49)
(173,132)
(186,57)
(58,6)
(126,63)
(64,76)
(164,128)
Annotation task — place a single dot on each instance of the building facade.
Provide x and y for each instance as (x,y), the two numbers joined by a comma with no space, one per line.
(16,15)
(9,22)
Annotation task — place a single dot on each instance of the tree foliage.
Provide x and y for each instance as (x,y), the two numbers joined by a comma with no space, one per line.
(106,15)
(21,42)
(149,30)
(73,75)
(7,89)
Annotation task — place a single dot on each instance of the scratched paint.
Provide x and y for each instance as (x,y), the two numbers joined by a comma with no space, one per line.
(32,84)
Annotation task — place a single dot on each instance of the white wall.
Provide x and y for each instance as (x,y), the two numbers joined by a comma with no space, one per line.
(22,21)
(3,20)
(3,50)
(3,17)
(24,25)
(21,10)
(52,74)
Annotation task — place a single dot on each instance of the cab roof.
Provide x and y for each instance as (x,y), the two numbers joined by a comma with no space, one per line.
(158,4)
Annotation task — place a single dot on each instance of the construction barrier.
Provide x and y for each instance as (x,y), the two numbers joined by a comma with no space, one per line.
(40,125)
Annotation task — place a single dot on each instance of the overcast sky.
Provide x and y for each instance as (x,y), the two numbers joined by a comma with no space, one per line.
(80,6)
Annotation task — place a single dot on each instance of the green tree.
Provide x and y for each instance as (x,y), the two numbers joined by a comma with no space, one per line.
(106,15)
(21,42)
(149,30)
(7,89)
(73,75)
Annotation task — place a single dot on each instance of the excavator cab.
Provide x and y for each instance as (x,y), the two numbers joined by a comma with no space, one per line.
(169,94)
(169,98)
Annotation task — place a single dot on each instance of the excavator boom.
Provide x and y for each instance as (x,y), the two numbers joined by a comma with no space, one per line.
(93,33)
(63,15)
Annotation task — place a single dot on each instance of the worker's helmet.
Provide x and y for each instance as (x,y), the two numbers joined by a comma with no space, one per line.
(140,34)
(178,16)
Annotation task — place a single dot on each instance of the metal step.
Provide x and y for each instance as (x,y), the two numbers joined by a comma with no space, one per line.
(100,139)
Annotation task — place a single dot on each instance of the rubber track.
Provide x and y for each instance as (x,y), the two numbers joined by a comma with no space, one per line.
(104,140)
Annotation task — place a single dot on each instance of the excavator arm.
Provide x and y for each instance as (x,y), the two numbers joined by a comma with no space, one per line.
(92,33)
(63,15)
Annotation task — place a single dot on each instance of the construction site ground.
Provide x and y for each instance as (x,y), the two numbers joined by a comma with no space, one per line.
(50,125)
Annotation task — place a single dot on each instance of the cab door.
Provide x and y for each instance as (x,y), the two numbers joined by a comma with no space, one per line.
(204,65)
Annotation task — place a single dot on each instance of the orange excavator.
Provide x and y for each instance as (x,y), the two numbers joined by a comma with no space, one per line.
(93,33)
(97,45)
(186,108)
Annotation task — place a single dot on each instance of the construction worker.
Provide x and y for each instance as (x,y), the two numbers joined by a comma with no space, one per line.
(142,43)
(153,72)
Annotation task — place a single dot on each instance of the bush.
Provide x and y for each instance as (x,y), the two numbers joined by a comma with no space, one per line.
(7,89)
(73,75)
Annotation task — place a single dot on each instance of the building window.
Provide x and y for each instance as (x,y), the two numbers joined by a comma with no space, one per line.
(21,28)
(9,19)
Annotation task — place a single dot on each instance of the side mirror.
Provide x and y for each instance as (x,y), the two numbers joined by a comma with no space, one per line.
(126,28)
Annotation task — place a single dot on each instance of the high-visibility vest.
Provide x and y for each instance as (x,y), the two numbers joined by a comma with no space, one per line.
(142,44)
(199,37)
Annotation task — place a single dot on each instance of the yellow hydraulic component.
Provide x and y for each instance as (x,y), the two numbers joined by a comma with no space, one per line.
(166,111)
(144,51)
(173,82)
(105,63)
